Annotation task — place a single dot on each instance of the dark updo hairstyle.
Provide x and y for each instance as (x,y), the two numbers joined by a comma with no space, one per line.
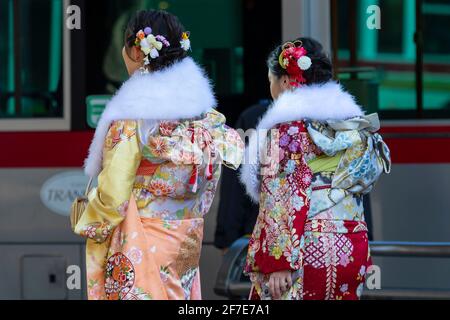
(162,23)
(321,70)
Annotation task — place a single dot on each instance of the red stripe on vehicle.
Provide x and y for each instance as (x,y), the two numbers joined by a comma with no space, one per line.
(69,149)
(44,149)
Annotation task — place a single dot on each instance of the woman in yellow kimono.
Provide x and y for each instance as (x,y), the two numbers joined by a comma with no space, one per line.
(157,151)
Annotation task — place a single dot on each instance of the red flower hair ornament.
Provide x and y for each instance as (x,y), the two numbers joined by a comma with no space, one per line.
(293,58)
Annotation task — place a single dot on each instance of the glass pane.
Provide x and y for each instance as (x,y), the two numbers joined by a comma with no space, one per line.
(6,59)
(392,17)
(390,50)
(216,29)
(436,17)
(39,37)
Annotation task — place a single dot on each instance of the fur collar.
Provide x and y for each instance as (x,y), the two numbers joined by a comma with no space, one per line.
(323,102)
(181,91)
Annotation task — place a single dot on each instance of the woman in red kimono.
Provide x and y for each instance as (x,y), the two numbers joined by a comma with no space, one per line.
(313,157)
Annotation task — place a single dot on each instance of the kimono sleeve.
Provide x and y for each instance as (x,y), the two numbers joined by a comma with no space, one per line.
(230,146)
(284,203)
(109,201)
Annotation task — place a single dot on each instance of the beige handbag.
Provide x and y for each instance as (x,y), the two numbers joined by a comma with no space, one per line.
(79,205)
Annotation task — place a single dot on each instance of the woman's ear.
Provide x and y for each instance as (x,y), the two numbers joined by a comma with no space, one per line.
(285,82)
(136,54)
(132,59)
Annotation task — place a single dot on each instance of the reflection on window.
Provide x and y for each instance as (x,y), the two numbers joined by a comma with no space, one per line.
(436,15)
(392,51)
(216,29)
(31,50)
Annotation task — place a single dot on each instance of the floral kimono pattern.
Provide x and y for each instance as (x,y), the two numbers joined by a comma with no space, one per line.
(144,221)
(311,218)
(284,204)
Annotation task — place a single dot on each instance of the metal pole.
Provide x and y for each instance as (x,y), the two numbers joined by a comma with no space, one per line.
(17,59)
(352,35)
(419,58)
(410,249)
(334,36)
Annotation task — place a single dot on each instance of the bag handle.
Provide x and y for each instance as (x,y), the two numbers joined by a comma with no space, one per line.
(88,187)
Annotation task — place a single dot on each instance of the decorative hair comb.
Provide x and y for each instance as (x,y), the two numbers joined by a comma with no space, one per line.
(293,58)
(150,44)
(185,42)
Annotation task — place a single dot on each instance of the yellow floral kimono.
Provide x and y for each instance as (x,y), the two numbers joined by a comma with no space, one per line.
(144,221)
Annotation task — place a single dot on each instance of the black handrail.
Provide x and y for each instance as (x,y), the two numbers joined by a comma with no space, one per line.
(410,249)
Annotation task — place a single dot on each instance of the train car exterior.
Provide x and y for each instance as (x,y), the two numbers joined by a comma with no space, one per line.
(55,84)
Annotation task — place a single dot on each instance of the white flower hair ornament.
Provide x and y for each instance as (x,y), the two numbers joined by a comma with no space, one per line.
(304,63)
(150,44)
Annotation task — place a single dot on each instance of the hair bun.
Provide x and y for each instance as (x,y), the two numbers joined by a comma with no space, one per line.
(166,28)
(167,57)
(318,70)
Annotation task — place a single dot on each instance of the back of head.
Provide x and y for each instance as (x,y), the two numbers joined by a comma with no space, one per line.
(161,23)
(321,69)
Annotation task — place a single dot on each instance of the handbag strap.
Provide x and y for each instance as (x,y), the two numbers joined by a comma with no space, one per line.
(88,187)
